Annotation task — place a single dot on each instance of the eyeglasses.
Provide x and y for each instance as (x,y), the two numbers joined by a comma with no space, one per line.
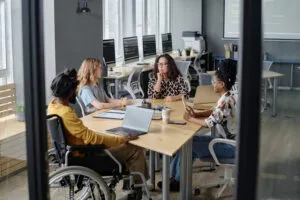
(162,64)
(215,82)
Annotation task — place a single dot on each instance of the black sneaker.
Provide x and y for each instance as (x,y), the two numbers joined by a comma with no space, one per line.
(174,185)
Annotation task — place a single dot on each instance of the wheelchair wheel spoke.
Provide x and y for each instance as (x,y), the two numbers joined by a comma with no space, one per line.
(70,183)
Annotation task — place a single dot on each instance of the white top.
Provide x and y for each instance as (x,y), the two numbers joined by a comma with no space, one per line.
(224,114)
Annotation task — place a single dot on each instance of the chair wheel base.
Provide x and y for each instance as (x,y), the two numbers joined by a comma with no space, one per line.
(197,191)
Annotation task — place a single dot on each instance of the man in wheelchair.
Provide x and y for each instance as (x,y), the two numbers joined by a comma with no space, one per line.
(131,157)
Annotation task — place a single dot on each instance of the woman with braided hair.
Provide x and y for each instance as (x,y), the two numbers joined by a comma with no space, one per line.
(223,117)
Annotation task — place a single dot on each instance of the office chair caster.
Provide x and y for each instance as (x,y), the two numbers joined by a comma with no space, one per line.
(197,191)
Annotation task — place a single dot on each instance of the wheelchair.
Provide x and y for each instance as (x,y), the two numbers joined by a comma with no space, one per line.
(86,171)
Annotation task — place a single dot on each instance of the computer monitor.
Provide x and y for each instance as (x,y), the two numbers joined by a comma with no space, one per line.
(149,45)
(166,39)
(131,50)
(109,51)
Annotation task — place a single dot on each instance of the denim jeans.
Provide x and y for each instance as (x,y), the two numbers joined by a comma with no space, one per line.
(224,152)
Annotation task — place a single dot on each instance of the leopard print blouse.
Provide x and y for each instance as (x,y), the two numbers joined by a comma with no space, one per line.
(168,88)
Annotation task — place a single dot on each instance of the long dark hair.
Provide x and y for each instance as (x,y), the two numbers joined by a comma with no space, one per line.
(226,72)
(173,71)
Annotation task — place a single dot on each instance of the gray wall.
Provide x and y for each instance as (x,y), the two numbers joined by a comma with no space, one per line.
(185,16)
(77,36)
(213,11)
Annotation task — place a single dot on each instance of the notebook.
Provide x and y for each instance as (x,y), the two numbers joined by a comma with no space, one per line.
(136,121)
(112,114)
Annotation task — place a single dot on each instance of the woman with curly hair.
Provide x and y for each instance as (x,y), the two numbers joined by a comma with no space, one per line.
(90,91)
(167,82)
(223,117)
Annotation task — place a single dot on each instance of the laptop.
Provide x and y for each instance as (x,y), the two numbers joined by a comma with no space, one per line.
(205,97)
(136,121)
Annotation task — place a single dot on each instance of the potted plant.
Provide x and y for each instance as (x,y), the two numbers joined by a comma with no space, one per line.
(188,51)
(20,112)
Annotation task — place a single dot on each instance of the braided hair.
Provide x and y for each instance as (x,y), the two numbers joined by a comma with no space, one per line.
(64,83)
(226,72)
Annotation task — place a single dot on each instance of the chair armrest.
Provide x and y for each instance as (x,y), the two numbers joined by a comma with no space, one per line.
(219,141)
(95,148)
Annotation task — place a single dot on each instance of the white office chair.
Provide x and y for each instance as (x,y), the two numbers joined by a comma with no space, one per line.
(228,179)
(183,67)
(133,85)
(267,66)
(84,110)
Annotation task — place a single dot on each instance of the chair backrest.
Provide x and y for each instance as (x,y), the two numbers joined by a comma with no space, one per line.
(267,65)
(204,78)
(81,105)
(183,67)
(7,99)
(58,137)
(133,85)
(200,62)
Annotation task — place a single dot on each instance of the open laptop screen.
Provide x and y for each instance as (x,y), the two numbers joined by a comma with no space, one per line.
(137,118)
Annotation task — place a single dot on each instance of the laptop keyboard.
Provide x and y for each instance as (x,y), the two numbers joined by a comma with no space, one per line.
(124,131)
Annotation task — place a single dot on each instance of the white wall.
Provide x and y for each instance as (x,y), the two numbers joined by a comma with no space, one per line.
(17,49)
(185,16)
(49,46)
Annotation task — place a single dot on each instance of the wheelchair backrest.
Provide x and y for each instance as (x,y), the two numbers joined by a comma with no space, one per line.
(58,138)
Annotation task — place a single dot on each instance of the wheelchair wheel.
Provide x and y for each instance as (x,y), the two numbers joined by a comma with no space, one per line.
(78,183)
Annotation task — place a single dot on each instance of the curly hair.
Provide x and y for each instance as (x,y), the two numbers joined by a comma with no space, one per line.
(64,83)
(226,72)
(173,71)
(87,70)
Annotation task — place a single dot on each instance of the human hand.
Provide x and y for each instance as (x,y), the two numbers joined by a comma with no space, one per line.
(190,111)
(187,116)
(130,137)
(159,76)
(125,101)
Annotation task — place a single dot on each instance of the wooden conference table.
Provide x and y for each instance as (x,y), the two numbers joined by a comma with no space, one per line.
(163,138)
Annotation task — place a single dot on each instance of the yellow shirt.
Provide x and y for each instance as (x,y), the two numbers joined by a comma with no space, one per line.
(76,132)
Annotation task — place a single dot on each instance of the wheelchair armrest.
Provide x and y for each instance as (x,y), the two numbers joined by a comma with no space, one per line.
(94,148)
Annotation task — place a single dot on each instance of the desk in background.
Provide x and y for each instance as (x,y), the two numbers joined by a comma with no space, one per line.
(268,75)
(163,138)
(275,61)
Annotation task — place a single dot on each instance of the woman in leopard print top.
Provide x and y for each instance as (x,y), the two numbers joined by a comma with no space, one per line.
(167,81)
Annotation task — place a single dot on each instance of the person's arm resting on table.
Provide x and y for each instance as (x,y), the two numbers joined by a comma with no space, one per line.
(75,127)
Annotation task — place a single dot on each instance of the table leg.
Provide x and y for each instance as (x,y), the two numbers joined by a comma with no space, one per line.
(292,77)
(166,176)
(265,93)
(183,163)
(189,170)
(116,88)
(152,168)
(274,97)
(157,167)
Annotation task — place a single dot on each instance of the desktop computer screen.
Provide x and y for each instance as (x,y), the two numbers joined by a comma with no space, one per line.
(166,39)
(109,51)
(149,45)
(131,50)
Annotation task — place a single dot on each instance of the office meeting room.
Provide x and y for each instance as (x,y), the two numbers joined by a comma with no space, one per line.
(149,100)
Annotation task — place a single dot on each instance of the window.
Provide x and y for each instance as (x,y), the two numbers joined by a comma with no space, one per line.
(135,18)
(2,36)
(5,43)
